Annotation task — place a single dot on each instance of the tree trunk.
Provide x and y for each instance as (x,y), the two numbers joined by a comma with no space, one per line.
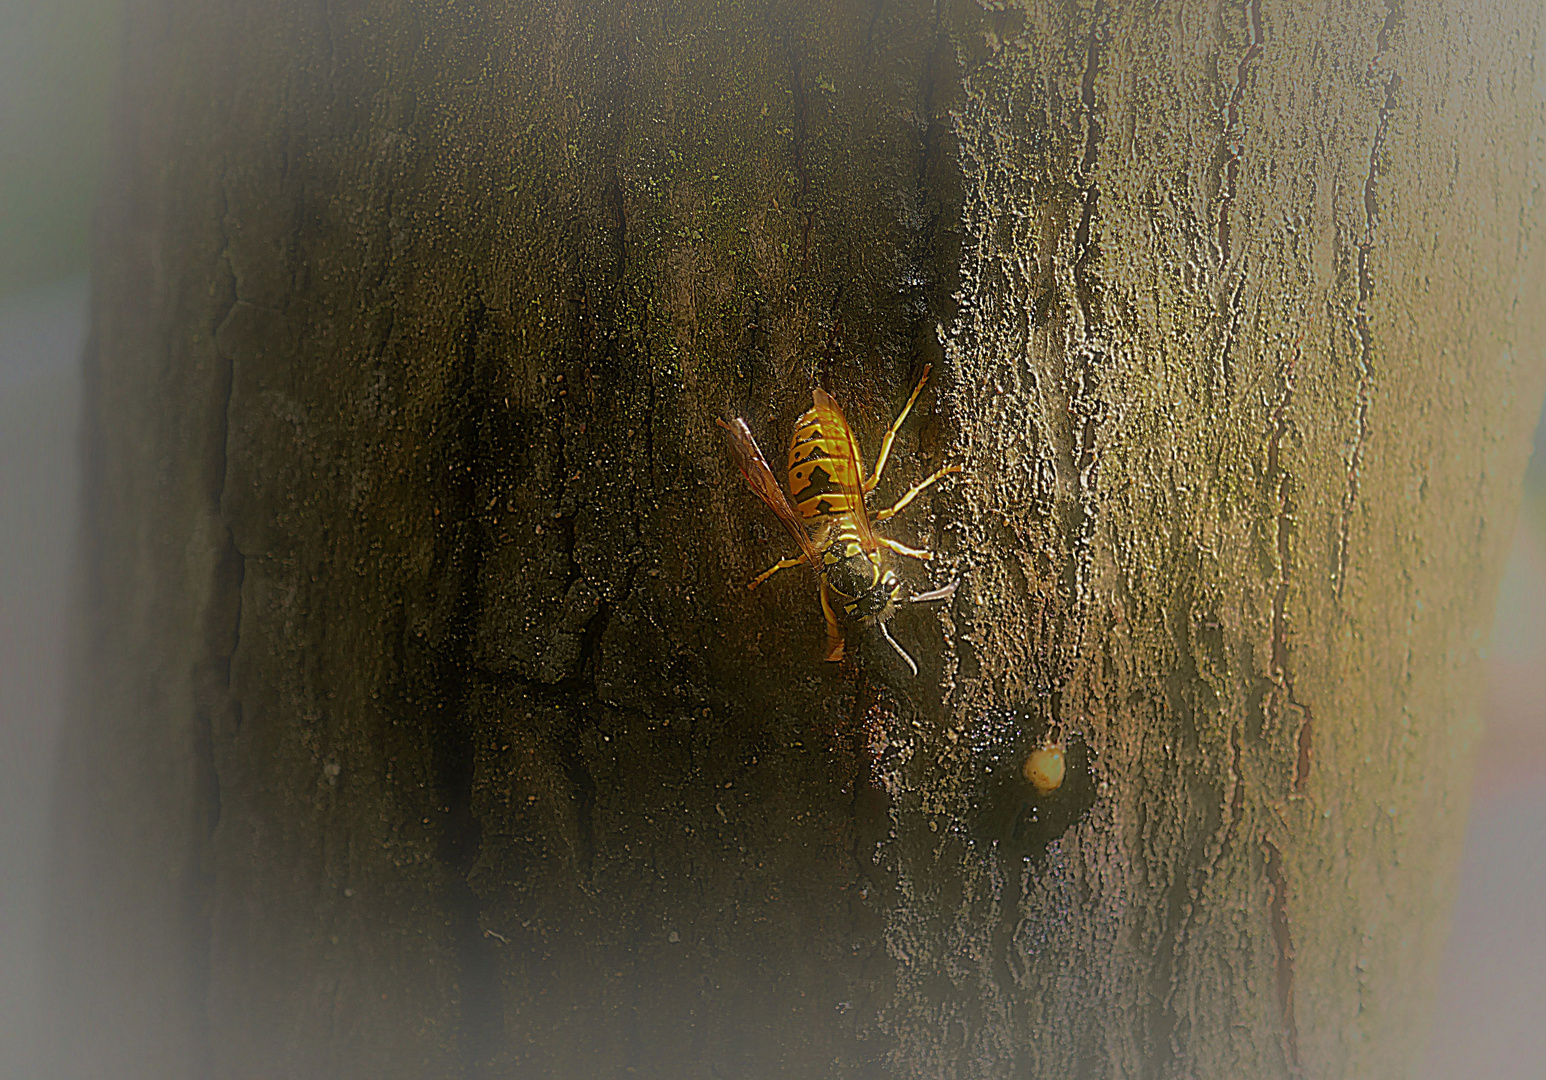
(423,723)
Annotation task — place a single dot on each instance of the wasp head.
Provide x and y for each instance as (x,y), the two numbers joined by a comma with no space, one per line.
(862,587)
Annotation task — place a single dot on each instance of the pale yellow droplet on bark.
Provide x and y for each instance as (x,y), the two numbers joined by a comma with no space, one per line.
(1044,768)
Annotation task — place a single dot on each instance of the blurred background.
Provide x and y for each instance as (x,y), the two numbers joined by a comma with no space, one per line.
(57,73)
(1491,1019)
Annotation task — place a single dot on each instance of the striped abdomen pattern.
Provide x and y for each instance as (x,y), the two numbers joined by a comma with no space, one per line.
(819,465)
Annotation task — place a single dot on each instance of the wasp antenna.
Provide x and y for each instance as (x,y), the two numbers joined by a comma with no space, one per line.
(943,593)
(899,650)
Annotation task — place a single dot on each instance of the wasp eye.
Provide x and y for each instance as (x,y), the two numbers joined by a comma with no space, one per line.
(1044,768)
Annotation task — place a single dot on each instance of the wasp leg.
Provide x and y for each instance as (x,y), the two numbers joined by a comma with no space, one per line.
(944,592)
(903,549)
(834,630)
(782,564)
(885,447)
(916,490)
(899,650)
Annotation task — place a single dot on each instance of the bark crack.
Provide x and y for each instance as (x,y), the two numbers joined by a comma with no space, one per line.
(232,291)
(1283,945)
(1363,330)
(1084,407)
(214,706)
(1282,694)
(327,37)
(1236,787)
(1233,135)
(801,169)
(453,745)
(1231,331)
(1085,282)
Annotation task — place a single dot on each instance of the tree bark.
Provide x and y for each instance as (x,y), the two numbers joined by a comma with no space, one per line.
(423,724)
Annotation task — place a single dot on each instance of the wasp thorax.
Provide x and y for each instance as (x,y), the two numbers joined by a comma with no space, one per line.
(1044,768)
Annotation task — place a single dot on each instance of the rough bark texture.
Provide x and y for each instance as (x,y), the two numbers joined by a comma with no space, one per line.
(424,726)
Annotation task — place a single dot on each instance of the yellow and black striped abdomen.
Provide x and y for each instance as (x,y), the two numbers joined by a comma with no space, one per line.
(819,465)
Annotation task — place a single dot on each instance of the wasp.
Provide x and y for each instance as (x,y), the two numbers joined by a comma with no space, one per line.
(828,518)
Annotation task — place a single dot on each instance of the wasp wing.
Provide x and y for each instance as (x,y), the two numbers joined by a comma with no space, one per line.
(760,479)
(851,479)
